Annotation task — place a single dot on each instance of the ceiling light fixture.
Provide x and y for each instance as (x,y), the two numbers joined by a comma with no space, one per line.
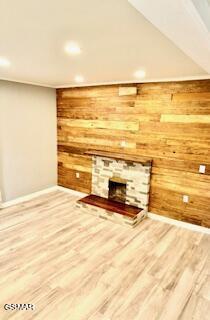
(79,79)
(4,62)
(140,74)
(72,48)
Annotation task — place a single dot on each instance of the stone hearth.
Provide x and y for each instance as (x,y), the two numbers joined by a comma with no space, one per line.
(112,210)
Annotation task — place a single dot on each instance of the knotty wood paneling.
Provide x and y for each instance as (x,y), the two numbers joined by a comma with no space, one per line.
(169,122)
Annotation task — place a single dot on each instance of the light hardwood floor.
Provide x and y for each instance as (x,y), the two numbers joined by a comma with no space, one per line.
(75,266)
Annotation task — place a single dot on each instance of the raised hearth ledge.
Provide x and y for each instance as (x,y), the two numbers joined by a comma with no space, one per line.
(120,156)
(111,210)
(111,205)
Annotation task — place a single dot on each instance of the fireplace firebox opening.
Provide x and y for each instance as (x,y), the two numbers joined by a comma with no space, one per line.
(117,189)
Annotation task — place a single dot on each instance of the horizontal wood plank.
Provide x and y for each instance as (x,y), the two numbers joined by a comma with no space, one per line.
(127,91)
(182,118)
(117,125)
(168,122)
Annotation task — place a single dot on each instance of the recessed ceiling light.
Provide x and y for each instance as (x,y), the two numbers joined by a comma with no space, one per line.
(140,74)
(79,79)
(4,62)
(72,48)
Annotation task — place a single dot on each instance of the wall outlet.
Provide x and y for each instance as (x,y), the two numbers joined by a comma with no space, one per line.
(77,175)
(185,198)
(202,168)
(123,143)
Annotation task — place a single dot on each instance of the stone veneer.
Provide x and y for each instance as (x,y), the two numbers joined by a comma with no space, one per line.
(112,216)
(136,174)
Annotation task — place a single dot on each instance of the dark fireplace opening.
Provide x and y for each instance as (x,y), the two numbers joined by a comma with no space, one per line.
(117,189)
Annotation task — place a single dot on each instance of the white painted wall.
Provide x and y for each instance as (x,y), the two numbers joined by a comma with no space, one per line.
(28,160)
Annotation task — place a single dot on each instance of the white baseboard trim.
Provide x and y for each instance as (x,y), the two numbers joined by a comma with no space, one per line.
(73,192)
(178,223)
(27,197)
(39,193)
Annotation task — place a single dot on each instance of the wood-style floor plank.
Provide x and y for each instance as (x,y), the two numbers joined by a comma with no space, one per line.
(75,266)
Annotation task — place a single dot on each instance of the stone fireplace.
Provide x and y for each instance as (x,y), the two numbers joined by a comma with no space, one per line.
(131,178)
(119,179)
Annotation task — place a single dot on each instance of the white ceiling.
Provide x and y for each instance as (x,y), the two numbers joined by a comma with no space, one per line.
(203,8)
(116,40)
(185,22)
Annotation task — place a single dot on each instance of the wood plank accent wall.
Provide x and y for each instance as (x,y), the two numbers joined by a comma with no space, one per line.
(169,122)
